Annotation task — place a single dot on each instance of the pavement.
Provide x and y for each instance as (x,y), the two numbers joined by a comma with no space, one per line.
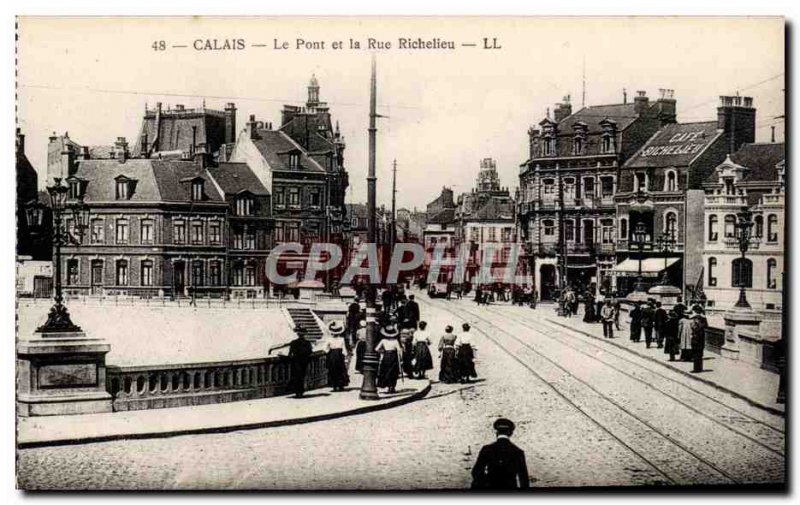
(757,386)
(317,405)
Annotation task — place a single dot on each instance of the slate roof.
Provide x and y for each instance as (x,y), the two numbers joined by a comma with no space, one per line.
(676,145)
(623,114)
(495,210)
(762,160)
(274,146)
(445,216)
(235,177)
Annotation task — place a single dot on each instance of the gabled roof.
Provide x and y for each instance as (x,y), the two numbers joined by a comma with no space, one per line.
(676,145)
(761,159)
(272,143)
(622,114)
(232,178)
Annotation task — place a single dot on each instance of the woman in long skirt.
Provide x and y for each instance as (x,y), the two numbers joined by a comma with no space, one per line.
(361,345)
(448,369)
(465,352)
(391,353)
(406,342)
(337,367)
(423,361)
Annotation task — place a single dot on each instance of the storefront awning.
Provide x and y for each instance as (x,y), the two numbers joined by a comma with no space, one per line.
(650,266)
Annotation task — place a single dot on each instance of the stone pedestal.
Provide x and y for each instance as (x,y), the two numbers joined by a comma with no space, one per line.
(637,296)
(737,319)
(666,294)
(61,373)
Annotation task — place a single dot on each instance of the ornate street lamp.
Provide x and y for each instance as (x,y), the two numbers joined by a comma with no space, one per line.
(639,239)
(61,202)
(744,226)
(666,243)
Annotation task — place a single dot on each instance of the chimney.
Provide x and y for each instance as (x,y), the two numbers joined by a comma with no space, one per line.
(193,147)
(84,154)
(230,123)
(201,157)
(737,118)
(20,143)
(563,110)
(624,96)
(68,160)
(641,103)
(121,149)
(252,127)
(666,106)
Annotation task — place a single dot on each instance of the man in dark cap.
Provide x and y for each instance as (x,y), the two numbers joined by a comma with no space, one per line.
(299,353)
(501,465)
(698,338)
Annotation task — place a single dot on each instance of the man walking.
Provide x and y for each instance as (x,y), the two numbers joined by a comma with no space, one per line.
(412,312)
(636,322)
(607,317)
(647,320)
(698,329)
(501,465)
(299,353)
(659,321)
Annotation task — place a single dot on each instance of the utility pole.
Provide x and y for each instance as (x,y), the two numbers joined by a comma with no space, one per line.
(393,232)
(369,390)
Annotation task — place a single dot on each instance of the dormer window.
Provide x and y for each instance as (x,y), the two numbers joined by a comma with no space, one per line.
(244,206)
(73,188)
(671,181)
(124,187)
(577,145)
(197,189)
(607,144)
(549,146)
(579,141)
(294,160)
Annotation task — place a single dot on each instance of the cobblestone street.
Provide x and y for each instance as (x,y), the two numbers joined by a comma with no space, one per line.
(587,414)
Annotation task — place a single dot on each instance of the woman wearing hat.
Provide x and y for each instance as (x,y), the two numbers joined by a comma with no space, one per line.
(391,352)
(423,361)
(698,338)
(337,368)
(448,369)
(465,352)
(361,345)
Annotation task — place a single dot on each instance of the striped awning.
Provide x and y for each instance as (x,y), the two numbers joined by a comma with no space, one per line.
(651,267)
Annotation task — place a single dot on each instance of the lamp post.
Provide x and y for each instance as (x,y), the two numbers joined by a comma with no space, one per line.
(744,225)
(666,242)
(61,202)
(639,239)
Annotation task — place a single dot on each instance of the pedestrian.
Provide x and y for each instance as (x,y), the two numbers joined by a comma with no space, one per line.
(352,320)
(478,295)
(459,291)
(685,336)
(607,317)
(412,312)
(386,298)
(299,355)
(391,353)
(465,353)
(647,318)
(617,310)
(501,465)
(659,319)
(636,322)
(335,361)
(698,339)
(423,361)
(406,343)
(534,298)
(361,345)
(448,367)
(588,313)
(672,342)
(599,303)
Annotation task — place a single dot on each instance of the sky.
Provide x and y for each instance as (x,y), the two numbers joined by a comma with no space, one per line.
(445,109)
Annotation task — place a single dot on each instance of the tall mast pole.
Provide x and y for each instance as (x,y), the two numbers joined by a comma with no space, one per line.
(369,390)
(393,235)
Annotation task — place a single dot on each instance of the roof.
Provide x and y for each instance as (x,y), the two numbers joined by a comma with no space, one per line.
(496,210)
(445,216)
(275,144)
(762,160)
(235,177)
(675,145)
(156,180)
(623,114)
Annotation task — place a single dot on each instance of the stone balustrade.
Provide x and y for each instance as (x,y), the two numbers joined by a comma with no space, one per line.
(152,387)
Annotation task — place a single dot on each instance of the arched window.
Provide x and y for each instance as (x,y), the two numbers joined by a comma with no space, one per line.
(713,221)
(742,273)
(671,181)
(671,224)
(72,272)
(772,272)
(759,226)
(772,228)
(712,271)
(623,228)
(730,226)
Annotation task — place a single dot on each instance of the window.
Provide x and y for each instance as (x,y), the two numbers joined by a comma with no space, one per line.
(607,144)
(98,231)
(122,231)
(549,147)
(607,188)
(588,188)
(772,270)
(244,206)
(772,228)
(569,188)
(671,224)
(197,232)
(293,232)
(249,239)
(278,197)
(215,273)
(197,273)
(294,197)
(607,231)
(549,227)
(713,221)
(238,239)
(313,197)
(508,234)
(492,234)
(569,230)
(712,271)
(123,190)
(474,234)
(671,182)
(623,228)
(72,272)
(742,273)
(147,273)
(294,160)
(122,272)
(729,187)
(179,232)
(74,190)
(640,181)
(354,222)
(197,190)
(214,232)
(730,226)
(577,145)
(250,275)
(146,231)
(280,234)
(548,187)
(238,274)
(759,226)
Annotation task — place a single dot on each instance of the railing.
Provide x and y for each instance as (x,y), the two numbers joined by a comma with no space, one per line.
(726,199)
(154,387)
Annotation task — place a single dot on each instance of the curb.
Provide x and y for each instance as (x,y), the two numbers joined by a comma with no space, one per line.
(754,403)
(236,427)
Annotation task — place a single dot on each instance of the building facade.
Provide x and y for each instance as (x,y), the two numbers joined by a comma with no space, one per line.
(751,178)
